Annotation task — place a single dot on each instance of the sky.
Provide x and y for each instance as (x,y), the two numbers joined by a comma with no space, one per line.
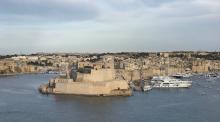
(89,26)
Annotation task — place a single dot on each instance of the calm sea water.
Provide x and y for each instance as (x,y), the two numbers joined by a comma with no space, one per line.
(21,102)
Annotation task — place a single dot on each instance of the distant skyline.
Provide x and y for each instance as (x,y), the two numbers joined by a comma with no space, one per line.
(85,26)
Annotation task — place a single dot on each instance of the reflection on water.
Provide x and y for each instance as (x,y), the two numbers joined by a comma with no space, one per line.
(20,101)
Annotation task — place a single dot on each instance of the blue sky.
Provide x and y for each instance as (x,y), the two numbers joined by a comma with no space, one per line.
(29,26)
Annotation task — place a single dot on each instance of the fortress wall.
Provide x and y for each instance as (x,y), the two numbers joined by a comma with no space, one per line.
(118,84)
(3,67)
(200,69)
(98,75)
(60,80)
(89,88)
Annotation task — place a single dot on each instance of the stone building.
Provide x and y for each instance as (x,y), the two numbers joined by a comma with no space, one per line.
(201,66)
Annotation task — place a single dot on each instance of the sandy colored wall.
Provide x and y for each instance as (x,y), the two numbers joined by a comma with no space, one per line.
(97,75)
(89,88)
(135,74)
(200,69)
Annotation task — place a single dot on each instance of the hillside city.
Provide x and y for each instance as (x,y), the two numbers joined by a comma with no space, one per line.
(136,65)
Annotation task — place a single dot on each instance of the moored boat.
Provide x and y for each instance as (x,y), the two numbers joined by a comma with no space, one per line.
(169,82)
(181,75)
(147,88)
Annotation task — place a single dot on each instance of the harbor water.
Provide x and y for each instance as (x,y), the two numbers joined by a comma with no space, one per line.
(20,101)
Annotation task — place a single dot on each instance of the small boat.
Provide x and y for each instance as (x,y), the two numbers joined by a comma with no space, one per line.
(203,93)
(147,88)
(52,72)
(212,75)
(145,85)
(180,76)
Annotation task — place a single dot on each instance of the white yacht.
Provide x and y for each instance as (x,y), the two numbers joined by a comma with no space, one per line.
(169,82)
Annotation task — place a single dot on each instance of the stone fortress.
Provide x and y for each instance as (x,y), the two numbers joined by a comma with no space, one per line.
(98,82)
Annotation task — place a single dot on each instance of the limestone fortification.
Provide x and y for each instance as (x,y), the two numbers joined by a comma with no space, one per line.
(100,82)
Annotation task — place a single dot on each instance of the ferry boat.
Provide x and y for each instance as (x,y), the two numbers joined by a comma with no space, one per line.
(169,82)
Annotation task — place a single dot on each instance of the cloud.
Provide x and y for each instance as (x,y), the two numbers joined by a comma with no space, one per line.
(52,11)
(28,11)
(109,25)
